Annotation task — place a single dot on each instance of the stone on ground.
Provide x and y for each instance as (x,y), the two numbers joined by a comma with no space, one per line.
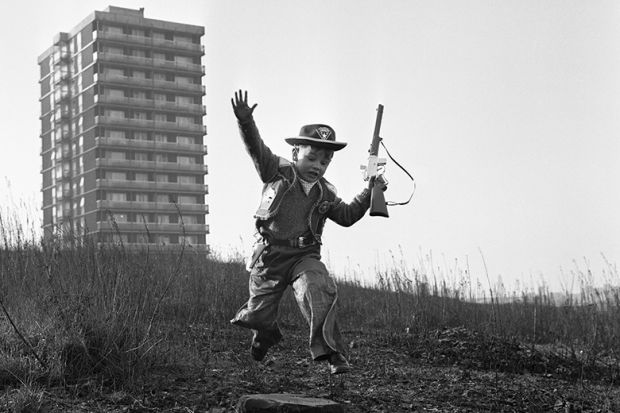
(282,403)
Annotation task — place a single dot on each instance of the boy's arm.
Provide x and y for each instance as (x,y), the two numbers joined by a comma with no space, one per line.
(348,214)
(265,161)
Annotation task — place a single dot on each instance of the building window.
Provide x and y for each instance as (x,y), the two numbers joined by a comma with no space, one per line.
(185,120)
(140,197)
(186,160)
(113,29)
(188,239)
(119,237)
(115,134)
(161,157)
(113,50)
(115,155)
(160,137)
(187,199)
(142,176)
(165,198)
(113,73)
(163,239)
(116,176)
(185,79)
(185,100)
(116,196)
(182,39)
(186,179)
(185,140)
(161,178)
(115,114)
(141,156)
(163,219)
(190,219)
(184,59)
(120,217)
(141,136)
(115,93)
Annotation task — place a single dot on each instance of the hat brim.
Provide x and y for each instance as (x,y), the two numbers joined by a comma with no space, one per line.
(320,143)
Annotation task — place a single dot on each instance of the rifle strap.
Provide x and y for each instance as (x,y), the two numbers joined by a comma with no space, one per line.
(392,203)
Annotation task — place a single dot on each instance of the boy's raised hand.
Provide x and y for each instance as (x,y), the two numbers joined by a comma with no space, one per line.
(243,112)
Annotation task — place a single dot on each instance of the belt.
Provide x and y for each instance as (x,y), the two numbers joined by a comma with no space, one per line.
(299,242)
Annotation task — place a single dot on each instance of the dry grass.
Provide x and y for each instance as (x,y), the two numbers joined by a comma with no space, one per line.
(74,311)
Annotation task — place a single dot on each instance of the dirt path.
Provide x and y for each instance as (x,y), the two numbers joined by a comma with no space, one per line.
(387,377)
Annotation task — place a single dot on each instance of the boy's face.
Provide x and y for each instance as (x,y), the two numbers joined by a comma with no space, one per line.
(312,162)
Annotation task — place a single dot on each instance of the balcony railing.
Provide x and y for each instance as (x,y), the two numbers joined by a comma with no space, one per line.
(173,44)
(152,186)
(127,59)
(153,227)
(150,83)
(115,78)
(179,65)
(198,248)
(152,206)
(151,165)
(191,87)
(143,40)
(153,145)
(153,124)
(150,62)
(121,37)
(193,108)
(194,127)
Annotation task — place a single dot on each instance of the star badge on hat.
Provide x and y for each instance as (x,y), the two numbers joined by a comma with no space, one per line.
(323,132)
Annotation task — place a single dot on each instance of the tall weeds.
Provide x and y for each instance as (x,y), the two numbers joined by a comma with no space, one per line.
(74,309)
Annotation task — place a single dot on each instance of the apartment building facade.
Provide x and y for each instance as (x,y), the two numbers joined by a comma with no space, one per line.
(122,132)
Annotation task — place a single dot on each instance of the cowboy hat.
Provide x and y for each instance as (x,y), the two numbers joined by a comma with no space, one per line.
(321,136)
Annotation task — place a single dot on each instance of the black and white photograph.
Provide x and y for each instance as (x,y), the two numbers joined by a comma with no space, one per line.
(310,206)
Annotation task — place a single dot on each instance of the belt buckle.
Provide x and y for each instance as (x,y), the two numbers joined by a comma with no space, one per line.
(301,242)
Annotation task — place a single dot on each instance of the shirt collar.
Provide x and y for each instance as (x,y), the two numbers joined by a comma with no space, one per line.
(307,186)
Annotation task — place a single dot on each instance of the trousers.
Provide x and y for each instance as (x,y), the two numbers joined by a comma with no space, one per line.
(314,289)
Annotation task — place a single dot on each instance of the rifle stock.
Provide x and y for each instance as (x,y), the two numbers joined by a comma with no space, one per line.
(378,207)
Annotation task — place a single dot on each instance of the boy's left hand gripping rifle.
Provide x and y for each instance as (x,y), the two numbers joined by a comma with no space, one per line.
(374,172)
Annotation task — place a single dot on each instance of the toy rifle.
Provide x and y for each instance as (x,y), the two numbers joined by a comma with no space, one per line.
(378,206)
(374,171)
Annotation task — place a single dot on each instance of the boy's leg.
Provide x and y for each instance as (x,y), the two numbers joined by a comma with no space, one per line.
(260,312)
(315,292)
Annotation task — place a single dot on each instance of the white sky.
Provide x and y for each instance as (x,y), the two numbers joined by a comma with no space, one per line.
(505,111)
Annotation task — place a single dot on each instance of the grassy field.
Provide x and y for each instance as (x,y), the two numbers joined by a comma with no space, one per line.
(75,313)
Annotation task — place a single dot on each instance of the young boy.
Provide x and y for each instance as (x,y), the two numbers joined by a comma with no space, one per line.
(295,203)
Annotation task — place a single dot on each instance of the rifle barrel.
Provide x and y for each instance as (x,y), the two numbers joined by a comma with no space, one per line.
(374,145)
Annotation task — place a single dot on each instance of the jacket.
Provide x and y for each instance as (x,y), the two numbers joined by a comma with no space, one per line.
(279,175)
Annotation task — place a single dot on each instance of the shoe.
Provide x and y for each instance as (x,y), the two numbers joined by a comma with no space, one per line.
(338,364)
(258,351)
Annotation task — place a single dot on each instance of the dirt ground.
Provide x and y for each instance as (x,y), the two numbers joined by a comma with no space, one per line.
(451,371)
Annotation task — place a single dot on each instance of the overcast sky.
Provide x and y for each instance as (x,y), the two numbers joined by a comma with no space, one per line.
(506,112)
